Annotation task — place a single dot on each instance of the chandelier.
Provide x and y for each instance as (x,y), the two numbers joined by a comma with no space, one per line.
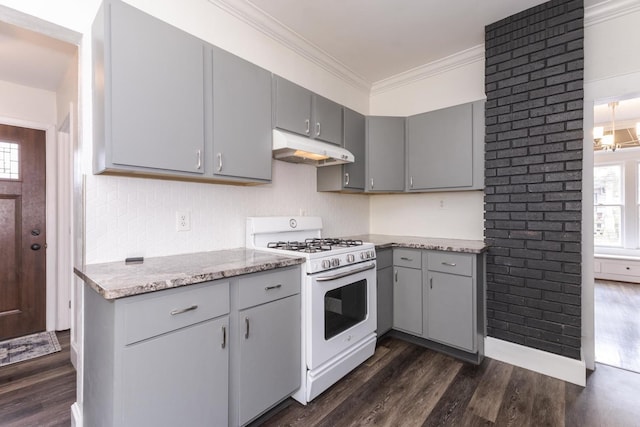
(608,141)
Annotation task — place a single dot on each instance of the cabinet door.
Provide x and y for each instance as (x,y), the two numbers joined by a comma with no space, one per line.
(440,148)
(241,118)
(385,299)
(154,78)
(190,363)
(292,107)
(385,153)
(407,300)
(327,120)
(354,141)
(269,355)
(450,310)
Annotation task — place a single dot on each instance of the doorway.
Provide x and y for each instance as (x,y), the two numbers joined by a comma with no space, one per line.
(616,231)
(22,231)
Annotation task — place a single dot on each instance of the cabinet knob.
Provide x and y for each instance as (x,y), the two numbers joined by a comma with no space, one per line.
(346,178)
(198,159)
(307,128)
(224,337)
(246,332)
(411,182)
(219,162)
(372,183)
(318,129)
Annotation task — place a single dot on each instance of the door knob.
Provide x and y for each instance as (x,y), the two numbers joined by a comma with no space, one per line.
(35,232)
(35,247)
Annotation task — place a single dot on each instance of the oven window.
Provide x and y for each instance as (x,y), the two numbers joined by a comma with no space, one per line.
(344,307)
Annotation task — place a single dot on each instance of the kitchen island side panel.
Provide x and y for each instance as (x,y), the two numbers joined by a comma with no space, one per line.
(533,174)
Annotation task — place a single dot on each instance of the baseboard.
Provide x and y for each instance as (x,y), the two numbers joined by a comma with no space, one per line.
(564,368)
(76,415)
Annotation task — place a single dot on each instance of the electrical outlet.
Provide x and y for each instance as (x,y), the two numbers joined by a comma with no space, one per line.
(441,204)
(183,221)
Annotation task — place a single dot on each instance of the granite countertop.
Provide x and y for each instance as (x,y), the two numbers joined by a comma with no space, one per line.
(432,243)
(116,279)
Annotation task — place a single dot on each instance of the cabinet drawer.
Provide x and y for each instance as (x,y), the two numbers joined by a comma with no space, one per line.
(264,287)
(448,262)
(384,258)
(411,258)
(627,269)
(160,312)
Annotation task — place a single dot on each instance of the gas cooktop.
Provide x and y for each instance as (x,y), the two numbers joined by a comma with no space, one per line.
(313,245)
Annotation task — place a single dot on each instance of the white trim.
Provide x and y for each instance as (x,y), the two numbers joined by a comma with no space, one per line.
(271,27)
(608,10)
(458,59)
(564,368)
(76,415)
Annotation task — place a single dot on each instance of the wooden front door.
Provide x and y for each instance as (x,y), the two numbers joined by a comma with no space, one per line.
(22,232)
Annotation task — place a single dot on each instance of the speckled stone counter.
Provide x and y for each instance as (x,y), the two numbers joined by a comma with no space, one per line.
(431,243)
(116,279)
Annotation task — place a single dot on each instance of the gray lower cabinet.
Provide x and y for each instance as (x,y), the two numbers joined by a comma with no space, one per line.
(241,118)
(452,300)
(384,296)
(157,359)
(300,111)
(349,177)
(407,292)
(148,86)
(445,149)
(385,154)
(266,358)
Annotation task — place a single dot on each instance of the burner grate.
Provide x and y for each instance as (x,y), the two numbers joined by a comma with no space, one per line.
(314,245)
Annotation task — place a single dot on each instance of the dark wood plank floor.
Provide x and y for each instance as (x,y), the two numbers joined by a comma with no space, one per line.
(40,391)
(617,324)
(406,385)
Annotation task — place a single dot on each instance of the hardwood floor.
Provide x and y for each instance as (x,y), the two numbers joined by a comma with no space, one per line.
(617,324)
(39,392)
(406,385)
(401,385)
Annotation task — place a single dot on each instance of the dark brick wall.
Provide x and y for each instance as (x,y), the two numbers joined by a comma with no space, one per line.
(533,209)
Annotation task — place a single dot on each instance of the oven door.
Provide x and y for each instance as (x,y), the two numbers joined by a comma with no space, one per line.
(341,311)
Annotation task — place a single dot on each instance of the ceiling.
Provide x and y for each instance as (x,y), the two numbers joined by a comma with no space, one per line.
(371,39)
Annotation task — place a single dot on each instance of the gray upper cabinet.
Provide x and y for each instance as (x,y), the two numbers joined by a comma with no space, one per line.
(149,93)
(327,120)
(292,110)
(350,176)
(241,118)
(300,111)
(445,149)
(385,154)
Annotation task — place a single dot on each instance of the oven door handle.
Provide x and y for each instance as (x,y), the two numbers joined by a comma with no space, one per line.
(346,273)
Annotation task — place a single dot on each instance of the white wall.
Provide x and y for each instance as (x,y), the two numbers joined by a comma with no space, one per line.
(25,103)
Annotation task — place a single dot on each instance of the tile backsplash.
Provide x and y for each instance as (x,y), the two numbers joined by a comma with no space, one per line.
(137,217)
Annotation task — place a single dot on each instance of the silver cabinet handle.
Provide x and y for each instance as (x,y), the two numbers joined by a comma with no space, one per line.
(219,162)
(395,275)
(450,264)
(372,183)
(183,310)
(431,283)
(346,178)
(199,159)
(318,129)
(307,129)
(246,332)
(269,288)
(224,337)
(404,258)
(411,182)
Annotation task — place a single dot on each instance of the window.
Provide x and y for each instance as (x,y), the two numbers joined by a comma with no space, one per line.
(608,205)
(9,160)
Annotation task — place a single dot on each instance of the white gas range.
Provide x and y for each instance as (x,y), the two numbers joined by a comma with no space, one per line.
(338,297)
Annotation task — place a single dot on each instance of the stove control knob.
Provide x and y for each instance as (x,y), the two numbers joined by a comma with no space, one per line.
(335,262)
(326,263)
(351,258)
(372,254)
(361,255)
(367,254)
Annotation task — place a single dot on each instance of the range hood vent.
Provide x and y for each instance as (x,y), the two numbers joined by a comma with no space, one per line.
(299,149)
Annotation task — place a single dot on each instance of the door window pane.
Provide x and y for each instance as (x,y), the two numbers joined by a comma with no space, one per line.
(9,160)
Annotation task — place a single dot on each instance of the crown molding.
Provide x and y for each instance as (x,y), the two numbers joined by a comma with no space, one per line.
(433,68)
(608,10)
(255,17)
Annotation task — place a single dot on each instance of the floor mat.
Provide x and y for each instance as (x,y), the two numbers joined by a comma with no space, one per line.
(28,347)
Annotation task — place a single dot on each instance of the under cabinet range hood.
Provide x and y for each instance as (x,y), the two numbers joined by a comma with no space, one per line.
(294,148)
